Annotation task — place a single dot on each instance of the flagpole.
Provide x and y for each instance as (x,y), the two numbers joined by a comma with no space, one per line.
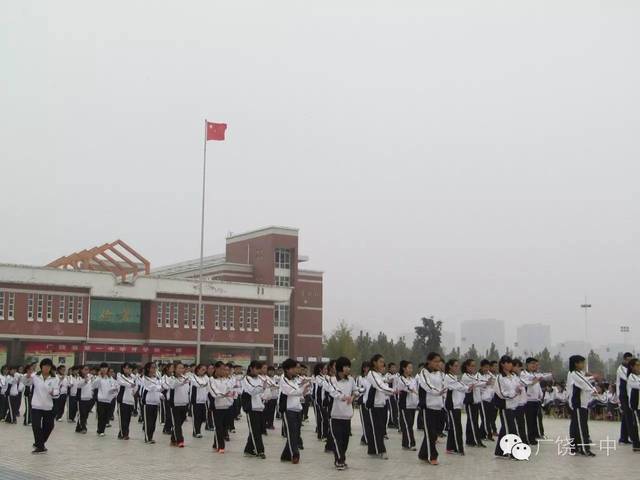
(204,176)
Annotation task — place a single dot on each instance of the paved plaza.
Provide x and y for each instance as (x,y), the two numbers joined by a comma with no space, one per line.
(91,458)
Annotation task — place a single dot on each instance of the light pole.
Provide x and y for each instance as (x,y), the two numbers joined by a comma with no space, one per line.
(625,330)
(586,307)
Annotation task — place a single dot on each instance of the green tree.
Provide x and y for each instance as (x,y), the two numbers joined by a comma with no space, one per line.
(544,359)
(558,368)
(471,353)
(596,365)
(428,338)
(340,343)
(492,353)
(454,353)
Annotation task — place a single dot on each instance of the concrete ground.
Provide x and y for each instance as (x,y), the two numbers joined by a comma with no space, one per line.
(89,457)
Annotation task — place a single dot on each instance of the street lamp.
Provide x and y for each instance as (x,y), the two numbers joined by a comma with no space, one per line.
(586,306)
(625,330)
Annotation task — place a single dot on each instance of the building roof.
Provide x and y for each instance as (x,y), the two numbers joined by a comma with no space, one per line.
(272,230)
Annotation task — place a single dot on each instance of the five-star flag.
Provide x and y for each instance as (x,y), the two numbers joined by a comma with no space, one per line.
(215,131)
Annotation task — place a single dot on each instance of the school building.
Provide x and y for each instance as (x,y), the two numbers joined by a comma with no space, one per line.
(108,304)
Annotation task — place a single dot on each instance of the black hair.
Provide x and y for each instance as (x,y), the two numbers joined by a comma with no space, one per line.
(317,369)
(255,364)
(530,360)
(124,365)
(104,365)
(60,367)
(219,364)
(288,364)
(432,356)
(630,364)
(403,366)
(147,368)
(574,360)
(493,362)
(391,364)
(342,362)
(627,355)
(46,361)
(449,364)
(365,365)
(517,362)
(504,359)
(484,362)
(465,365)
(375,358)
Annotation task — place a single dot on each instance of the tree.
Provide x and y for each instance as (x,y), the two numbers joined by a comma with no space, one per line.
(596,365)
(340,343)
(544,359)
(428,338)
(492,353)
(454,353)
(558,369)
(472,353)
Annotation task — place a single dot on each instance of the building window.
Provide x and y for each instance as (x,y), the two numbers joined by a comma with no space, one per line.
(232,321)
(255,319)
(283,258)
(216,317)
(241,318)
(40,305)
(70,305)
(176,315)
(194,309)
(202,317)
(12,306)
(49,308)
(281,316)
(224,317)
(80,311)
(282,281)
(30,308)
(159,314)
(1,305)
(61,309)
(167,315)
(280,345)
(185,317)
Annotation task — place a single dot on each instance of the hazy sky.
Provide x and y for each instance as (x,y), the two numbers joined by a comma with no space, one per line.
(463,159)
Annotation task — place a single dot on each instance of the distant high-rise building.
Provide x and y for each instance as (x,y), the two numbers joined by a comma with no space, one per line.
(532,338)
(448,341)
(481,333)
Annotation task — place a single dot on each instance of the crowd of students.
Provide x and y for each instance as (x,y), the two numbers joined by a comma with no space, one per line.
(431,398)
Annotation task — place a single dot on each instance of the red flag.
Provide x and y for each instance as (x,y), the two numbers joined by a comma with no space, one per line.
(215,131)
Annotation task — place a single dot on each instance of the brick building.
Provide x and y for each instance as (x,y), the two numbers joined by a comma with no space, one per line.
(257,302)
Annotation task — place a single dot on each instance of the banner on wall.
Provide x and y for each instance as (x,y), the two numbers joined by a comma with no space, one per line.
(237,358)
(34,352)
(115,316)
(73,348)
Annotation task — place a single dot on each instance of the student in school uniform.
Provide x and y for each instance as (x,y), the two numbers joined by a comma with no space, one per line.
(626,417)
(319,372)
(106,389)
(221,390)
(25,392)
(344,394)
(270,397)
(199,392)
(472,402)
(327,402)
(487,407)
(85,398)
(251,400)
(150,401)
(167,373)
(61,402)
(13,395)
(506,401)
(363,387)
(454,401)
(580,388)
(3,392)
(392,402)
(532,409)
(406,386)
(210,403)
(72,391)
(45,389)
(376,400)
(290,398)
(179,393)
(633,397)
(127,387)
(431,393)
(306,401)
(521,421)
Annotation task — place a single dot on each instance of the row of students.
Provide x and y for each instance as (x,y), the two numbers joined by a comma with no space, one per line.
(437,392)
